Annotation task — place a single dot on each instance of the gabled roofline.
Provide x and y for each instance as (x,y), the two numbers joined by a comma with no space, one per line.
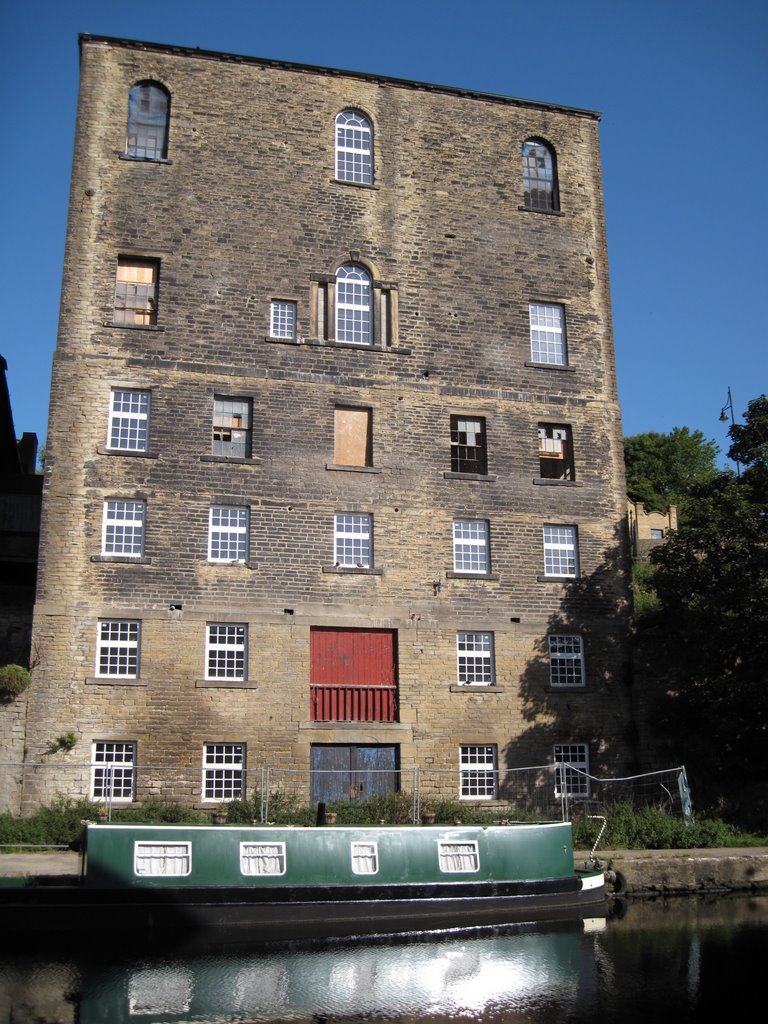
(316,69)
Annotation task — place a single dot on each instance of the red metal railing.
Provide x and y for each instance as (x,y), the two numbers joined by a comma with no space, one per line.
(353,703)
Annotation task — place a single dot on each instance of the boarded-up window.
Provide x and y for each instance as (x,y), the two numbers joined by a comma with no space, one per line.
(136,292)
(353,656)
(352,437)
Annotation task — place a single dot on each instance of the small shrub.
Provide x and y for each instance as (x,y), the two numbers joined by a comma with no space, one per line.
(67,741)
(14,679)
(160,811)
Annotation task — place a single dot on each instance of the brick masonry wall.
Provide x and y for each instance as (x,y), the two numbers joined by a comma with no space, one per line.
(246,209)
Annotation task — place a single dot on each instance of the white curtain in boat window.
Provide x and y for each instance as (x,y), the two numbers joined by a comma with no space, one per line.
(365,859)
(168,859)
(262,858)
(455,856)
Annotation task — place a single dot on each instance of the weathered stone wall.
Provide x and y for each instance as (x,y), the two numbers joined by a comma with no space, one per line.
(245,209)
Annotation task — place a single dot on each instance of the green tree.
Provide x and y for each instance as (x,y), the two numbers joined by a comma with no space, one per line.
(707,645)
(662,468)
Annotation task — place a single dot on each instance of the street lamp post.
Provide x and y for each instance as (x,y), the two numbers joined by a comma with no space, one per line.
(724,419)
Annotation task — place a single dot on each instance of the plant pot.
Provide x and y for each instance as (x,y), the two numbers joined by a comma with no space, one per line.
(428,817)
(330,817)
(219,818)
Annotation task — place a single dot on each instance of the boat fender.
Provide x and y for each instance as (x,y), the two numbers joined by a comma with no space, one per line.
(617,880)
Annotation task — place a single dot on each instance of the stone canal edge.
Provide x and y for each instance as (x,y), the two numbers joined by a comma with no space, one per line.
(641,871)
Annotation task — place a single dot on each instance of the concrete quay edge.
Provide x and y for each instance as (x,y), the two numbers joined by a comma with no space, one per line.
(659,871)
(737,869)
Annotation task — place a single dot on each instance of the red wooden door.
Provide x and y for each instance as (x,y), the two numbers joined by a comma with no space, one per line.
(353,675)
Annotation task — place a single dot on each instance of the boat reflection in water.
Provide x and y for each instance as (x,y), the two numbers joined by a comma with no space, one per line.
(453,976)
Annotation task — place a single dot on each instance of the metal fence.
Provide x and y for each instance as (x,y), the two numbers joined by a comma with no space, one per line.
(548,792)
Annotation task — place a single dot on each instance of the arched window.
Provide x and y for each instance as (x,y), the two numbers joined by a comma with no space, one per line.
(147,133)
(354,321)
(354,149)
(539,176)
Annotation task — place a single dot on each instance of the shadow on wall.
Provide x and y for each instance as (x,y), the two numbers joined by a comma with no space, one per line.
(587,637)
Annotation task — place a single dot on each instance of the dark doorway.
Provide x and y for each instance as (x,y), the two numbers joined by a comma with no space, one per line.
(353,772)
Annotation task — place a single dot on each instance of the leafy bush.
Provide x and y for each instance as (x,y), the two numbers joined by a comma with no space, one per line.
(160,810)
(648,828)
(14,679)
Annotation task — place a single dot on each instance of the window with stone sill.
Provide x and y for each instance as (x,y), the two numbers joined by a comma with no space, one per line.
(566,661)
(470,546)
(122,531)
(354,147)
(561,553)
(282,319)
(468,445)
(353,307)
(128,429)
(228,534)
(223,771)
(555,452)
(540,190)
(474,656)
(353,540)
(352,436)
(231,427)
(477,771)
(572,770)
(136,292)
(226,654)
(112,770)
(146,136)
(547,327)
(117,648)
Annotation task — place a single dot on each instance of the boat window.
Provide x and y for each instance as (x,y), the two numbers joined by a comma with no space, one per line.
(365,858)
(262,858)
(458,856)
(166,859)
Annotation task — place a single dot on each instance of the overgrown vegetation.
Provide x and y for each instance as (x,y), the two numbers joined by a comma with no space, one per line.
(648,828)
(702,651)
(14,679)
(60,824)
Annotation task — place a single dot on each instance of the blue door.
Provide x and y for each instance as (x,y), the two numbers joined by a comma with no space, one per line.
(354,771)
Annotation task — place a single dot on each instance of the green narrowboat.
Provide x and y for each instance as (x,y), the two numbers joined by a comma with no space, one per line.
(268,882)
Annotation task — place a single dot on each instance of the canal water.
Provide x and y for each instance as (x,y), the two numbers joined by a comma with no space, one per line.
(681,959)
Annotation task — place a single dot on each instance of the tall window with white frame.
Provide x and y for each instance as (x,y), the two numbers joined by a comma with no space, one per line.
(352,540)
(117,648)
(232,427)
(547,325)
(226,651)
(136,292)
(354,308)
(282,319)
(146,136)
(477,771)
(468,446)
(112,770)
(228,534)
(128,429)
(223,771)
(566,661)
(561,554)
(122,528)
(474,655)
(572,770)
(470,546)
(539,176)
(354,147)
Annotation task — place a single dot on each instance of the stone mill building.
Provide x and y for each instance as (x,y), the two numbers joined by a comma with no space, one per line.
(334,478)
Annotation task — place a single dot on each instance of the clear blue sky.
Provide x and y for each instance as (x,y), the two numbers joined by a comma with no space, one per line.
(683,87)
